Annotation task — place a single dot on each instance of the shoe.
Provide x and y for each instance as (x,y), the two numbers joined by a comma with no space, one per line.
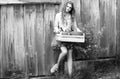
(54,68)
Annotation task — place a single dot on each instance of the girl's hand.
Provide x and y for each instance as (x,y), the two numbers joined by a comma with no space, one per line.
(57,31)
(67,30)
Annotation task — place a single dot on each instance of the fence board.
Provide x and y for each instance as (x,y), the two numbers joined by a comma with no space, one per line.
(118,26)
(19,38)
(90,13)
(42,1)
(3,2)
(8,43)
(107,41)
(78,9)
(39,37)
(95,15)
(85,11)
(29,24)
(3,23)
(48,24)
(103,40)
(10,51)
(3,19)
(112,31)
(0,45)
(3,11)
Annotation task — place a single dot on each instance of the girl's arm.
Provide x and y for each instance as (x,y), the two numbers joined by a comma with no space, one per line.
(56,24)
(75,27)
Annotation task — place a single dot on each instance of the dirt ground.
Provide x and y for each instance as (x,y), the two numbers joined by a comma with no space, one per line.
(99,70)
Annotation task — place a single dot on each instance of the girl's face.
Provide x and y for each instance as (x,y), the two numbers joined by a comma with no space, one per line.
(68,7)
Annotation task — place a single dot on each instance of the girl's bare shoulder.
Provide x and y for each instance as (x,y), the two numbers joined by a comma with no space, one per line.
(58,14)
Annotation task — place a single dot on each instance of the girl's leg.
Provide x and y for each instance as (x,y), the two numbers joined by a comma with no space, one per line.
(61,56)
(69,61)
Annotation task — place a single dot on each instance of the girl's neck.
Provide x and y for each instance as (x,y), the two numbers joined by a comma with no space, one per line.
(67,14)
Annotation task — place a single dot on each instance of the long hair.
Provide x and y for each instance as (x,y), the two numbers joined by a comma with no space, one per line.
(72,12)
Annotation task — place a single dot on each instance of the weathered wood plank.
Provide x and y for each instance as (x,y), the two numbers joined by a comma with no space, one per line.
(10,1)
(3,19)
(47,77)
(95,16)
(0,45)
(94,23)
(48,29)
(108,27)
(2,37)
(3,2)
(85,11)
(19,38)
(112,30)
(90,13)
(7,39)
(39,39)
(42,1)
(77,9)
(9,42)
(103,39)
(29,25)
(118,26)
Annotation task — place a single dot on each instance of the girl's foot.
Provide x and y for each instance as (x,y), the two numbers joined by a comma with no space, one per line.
(54,68)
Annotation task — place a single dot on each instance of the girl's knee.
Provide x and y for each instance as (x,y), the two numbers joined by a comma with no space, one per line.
(64,50)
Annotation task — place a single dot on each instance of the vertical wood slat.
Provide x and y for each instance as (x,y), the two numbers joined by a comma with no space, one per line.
(29,24)
(95,20)
(10,51)
(3,12)
(39,37)
(104,39)
(118,26)
(7,40)
(19,38)
(3,19)
(90,13)
(85,11)
(112,31)
(95,15)
(0,45)
(77,6)
(4,62)
(108,26)
(49,13)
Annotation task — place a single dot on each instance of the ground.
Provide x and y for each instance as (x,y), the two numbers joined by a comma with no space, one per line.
(94,70)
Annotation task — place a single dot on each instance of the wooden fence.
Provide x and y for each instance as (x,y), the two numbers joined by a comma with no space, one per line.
(25,38)
(26,31)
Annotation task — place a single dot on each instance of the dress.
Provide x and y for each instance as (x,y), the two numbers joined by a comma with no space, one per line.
(67,25)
